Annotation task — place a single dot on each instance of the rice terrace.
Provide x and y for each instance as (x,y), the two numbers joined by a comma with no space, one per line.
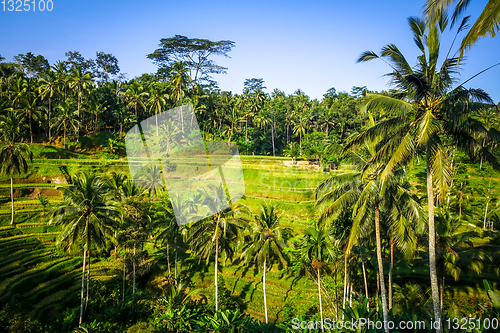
(167,201)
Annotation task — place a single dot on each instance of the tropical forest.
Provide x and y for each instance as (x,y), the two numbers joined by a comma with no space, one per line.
(361,211)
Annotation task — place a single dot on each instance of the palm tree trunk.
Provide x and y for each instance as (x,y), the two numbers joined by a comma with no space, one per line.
(264,289)
(381,267)
(133,271)
(216,274)
(378,290)
(272,136)
(485,214)
(336,293)
(481,163)
(50,111)
(300,143)
(78,125)
(124,271)
(345,282)
(156,119)
(31,131)
(349,288)
(83,286)
(364,275)
(64,140)
(88,283)
(168,260)
(432,244)
(442,290)
(320,305)
(12,199)
(390,274)
(175,261)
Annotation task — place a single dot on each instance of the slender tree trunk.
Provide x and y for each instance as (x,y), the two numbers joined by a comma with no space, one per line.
(378,290)
(349,286)
(12,199)
(381,267)
(264,289)
(442,290)
(50,111)
(83,286)
(364,275)
(175,261)
(156,119)
(65,146)
(272,136)
(300,143)
(320,304)
(390,274)
(88,283)
(31,131)
(78,126)
(432,244)
(481,162)
(124,272)
(485,214)
(336,294)
(246,133)
(168,260)
(345,282)
(216,274)
(133,271)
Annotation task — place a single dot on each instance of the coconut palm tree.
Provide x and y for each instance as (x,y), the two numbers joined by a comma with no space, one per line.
(318,246)
(300,130)
(220,232)
(135,96)
(150,178)
(31,110)
(66,118)
(88,216)
(156,102)
(169,225)
(81,83)
(424,106)
(13,155)
(267,243)
(48,88)
(487,24)
(372,200)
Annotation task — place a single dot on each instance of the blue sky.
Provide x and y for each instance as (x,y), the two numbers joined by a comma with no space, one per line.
(311,45)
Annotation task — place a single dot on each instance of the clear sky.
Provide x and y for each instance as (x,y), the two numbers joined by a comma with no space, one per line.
(311,45)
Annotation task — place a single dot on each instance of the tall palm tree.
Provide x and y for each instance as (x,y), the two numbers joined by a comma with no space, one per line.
(267,243)
(487,24)
(48,88)
(88,216)
(13,155)
(372,200)
(81,82)
(220,232)
(135,96)
(300,130)
(156,102)
(32,111)
(169,224)
(66,118)
(150,178)
(318,246)
(62,79)
(427,106)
